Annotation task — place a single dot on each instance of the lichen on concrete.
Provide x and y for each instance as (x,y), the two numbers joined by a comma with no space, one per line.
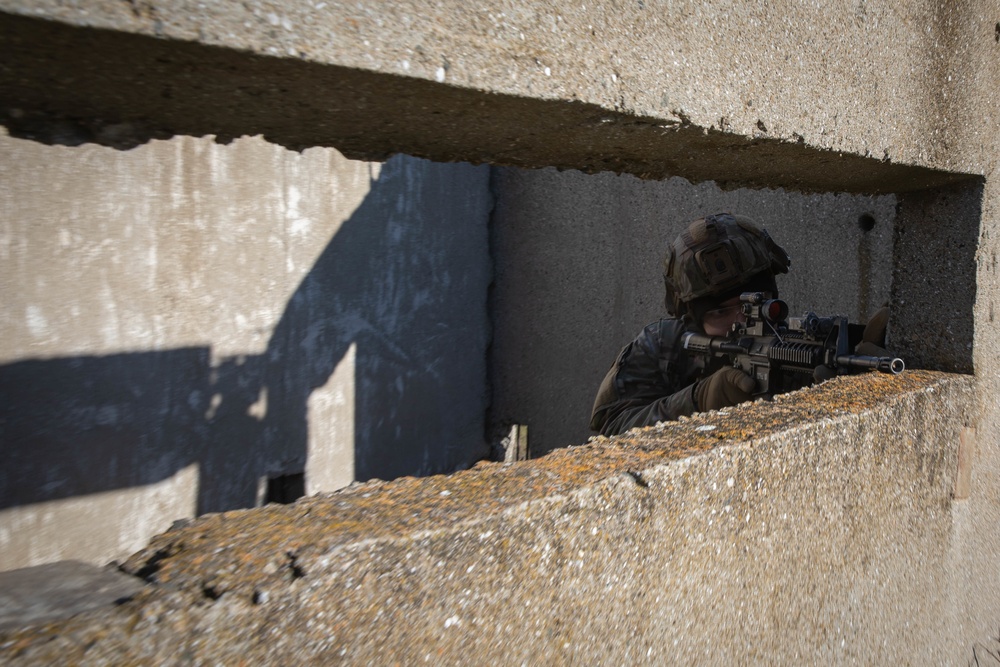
(827,504)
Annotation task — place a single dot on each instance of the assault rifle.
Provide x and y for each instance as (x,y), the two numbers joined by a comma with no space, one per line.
(782,353)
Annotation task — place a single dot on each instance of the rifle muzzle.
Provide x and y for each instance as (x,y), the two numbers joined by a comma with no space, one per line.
(893,365)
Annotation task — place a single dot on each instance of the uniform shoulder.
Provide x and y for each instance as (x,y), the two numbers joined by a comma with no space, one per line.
(662,332)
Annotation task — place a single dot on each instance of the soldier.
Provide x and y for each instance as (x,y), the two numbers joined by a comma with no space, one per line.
(707,267)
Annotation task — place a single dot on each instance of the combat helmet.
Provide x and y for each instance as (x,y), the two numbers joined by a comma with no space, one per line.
(715,255)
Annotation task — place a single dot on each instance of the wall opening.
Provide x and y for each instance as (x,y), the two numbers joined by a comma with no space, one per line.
(282,489)
(578,273)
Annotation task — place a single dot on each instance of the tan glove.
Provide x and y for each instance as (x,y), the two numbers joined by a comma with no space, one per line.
(723,388)
(873,338)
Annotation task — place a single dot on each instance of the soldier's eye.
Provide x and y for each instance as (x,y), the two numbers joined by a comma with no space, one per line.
(717,314)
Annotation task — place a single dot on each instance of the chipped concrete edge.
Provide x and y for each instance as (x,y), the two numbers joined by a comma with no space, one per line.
(736,523)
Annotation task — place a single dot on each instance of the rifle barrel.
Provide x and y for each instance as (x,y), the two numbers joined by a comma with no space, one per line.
(892,365)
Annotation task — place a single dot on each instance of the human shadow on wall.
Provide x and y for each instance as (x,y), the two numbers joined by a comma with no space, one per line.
(403,280)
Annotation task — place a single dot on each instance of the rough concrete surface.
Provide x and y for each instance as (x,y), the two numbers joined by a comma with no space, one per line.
(818,528)
(932,310)
(885,71)
(60,590)
(866,560)
(608,104)
(185,319)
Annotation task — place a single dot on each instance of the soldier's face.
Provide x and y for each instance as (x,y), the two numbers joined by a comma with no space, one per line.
(719,321)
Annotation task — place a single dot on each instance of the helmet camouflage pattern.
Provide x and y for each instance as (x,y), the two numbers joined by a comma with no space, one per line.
(716,254)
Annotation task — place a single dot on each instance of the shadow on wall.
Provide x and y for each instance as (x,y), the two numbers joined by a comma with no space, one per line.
(399,293)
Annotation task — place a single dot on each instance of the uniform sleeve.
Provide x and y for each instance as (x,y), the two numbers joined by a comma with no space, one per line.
(646,384)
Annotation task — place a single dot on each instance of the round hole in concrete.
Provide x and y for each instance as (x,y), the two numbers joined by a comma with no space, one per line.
(866,221)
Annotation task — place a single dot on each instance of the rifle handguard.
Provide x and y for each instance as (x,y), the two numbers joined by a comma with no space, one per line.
(704,344)
(718,345)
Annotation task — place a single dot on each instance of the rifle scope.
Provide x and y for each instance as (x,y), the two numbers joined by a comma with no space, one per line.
(773,311)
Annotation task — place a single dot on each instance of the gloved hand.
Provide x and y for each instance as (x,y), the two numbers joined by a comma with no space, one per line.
(723,388)
(873,338)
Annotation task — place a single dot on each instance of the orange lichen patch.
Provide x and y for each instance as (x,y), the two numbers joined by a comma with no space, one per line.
(236,551)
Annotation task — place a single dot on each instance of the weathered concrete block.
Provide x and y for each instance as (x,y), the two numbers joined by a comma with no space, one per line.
(60,590)
(600,87)
(884,96)
(816,528)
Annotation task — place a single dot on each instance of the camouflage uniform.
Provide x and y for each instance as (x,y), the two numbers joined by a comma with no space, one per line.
(654,378)
(651,381)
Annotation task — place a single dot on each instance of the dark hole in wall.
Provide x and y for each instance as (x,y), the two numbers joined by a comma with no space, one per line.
(285,489)
(866,222)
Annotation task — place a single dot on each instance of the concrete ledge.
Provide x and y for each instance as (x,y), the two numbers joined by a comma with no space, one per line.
(60,590)
(65,84)
(815,528)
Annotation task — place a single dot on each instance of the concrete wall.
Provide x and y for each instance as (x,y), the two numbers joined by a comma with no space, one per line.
(820,529)
(186,319)
(881,96)
(579,272)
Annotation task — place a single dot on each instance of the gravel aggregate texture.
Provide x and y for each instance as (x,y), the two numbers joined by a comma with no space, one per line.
(832,504)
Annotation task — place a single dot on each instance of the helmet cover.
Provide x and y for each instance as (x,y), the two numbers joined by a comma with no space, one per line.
(717,254)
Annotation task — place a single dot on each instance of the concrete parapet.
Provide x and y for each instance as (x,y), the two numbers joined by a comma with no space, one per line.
(817,528)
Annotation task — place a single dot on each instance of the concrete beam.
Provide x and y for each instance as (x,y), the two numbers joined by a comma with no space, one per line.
(119,78)
(818,528)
